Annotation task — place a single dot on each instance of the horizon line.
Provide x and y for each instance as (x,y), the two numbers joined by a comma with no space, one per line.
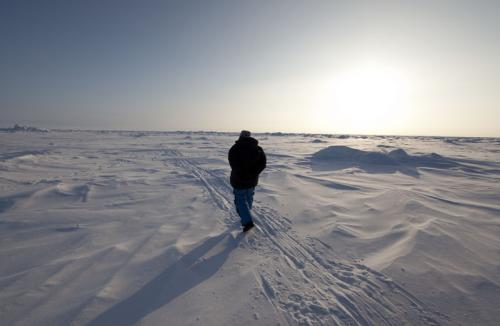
(272,133)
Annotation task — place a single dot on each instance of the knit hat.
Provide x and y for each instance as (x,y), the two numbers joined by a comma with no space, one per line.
(245,133)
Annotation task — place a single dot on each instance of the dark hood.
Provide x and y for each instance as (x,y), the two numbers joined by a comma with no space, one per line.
(247,141)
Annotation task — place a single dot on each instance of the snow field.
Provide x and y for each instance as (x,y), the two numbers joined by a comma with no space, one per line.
(121,228)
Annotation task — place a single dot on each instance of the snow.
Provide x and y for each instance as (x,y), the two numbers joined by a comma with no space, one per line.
(19,128)
(394,157)
(127,227)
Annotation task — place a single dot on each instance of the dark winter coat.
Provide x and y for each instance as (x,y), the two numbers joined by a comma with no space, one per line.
(247,160)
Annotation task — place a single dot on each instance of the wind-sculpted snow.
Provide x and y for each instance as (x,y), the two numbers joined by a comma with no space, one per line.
(21,155)
(341,157)
(123,228)
(394,157)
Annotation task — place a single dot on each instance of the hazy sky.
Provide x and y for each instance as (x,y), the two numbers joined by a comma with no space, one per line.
(370,67)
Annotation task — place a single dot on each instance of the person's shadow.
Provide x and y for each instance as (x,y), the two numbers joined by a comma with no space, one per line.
(180,277)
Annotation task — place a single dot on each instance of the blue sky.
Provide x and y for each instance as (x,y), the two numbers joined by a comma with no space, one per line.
(386,67)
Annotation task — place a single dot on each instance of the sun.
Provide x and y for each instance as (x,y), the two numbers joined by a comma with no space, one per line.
(368,97)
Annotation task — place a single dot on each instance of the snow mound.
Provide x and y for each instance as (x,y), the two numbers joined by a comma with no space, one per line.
(57,196)
(345,153)
(318,141)
(395,157)
(29,155)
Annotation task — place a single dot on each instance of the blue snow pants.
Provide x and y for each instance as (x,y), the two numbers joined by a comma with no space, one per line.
(243,199)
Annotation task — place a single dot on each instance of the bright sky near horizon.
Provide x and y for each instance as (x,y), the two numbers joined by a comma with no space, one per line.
(362,67)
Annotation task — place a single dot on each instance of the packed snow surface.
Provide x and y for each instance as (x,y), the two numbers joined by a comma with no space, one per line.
(123,228)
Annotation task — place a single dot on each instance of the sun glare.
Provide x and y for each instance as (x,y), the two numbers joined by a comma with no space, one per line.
(368,97)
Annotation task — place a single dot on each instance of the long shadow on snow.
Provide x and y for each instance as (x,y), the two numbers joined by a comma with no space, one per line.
(185,274)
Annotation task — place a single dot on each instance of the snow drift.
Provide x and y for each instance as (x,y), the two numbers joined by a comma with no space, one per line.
(394,157)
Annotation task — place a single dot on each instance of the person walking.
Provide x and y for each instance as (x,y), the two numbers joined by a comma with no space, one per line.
(247,160)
